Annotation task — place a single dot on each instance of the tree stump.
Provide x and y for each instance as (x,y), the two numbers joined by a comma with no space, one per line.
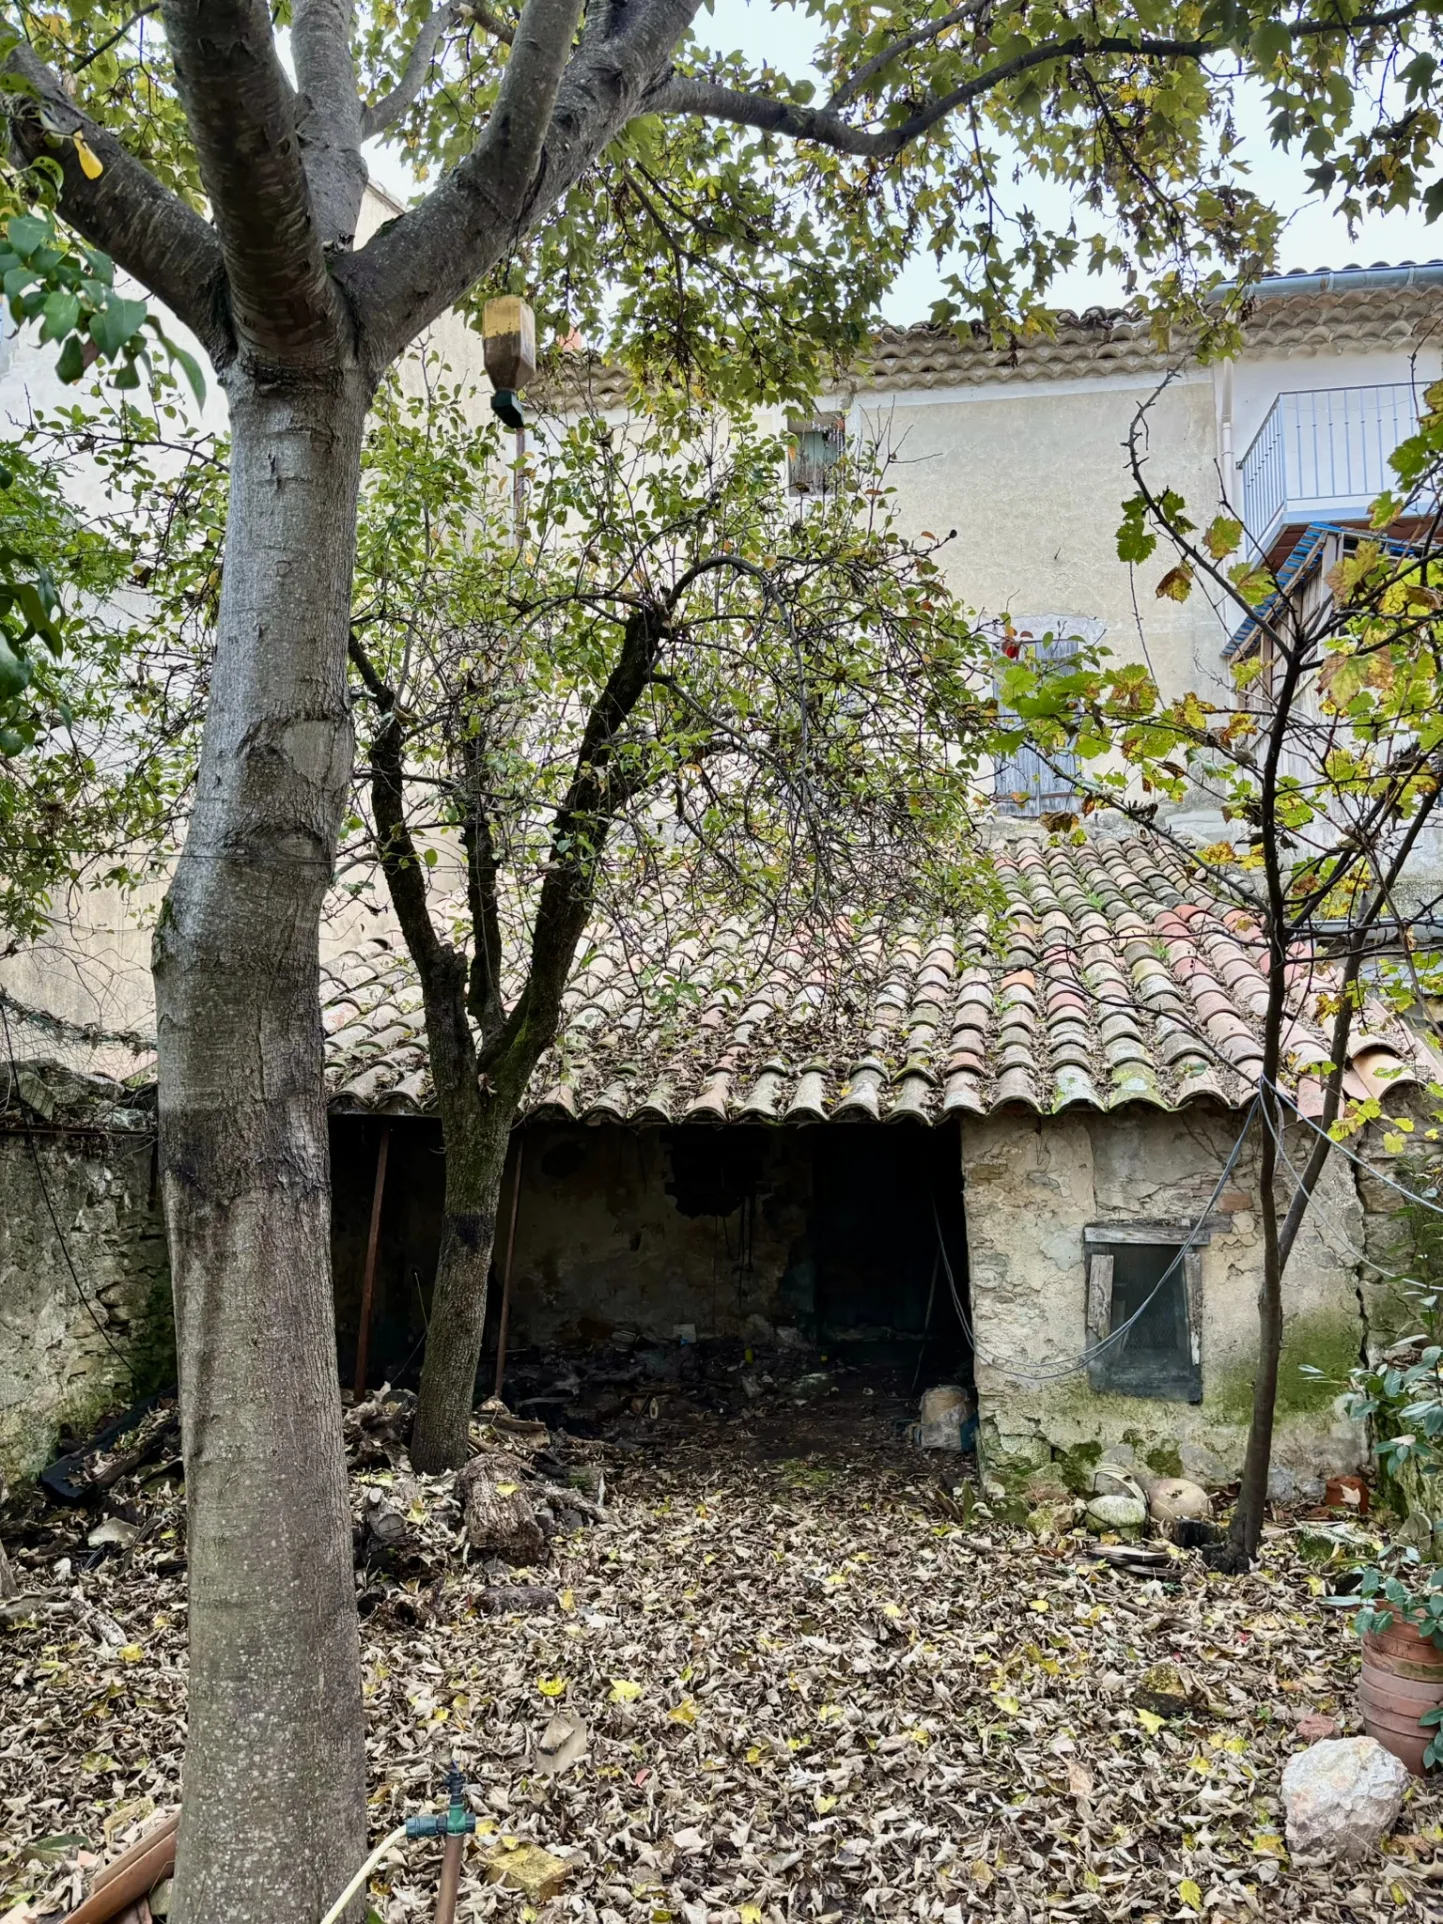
(500,1519)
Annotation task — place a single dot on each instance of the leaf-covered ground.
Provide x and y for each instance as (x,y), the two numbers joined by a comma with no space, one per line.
(809,1695)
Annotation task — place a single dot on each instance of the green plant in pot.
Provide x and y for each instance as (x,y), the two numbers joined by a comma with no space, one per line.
(1399,1595)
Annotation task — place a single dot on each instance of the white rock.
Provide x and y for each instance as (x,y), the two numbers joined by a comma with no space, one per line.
(1342,1796)
(1174,1496)
(1118,1512)
(114,1530)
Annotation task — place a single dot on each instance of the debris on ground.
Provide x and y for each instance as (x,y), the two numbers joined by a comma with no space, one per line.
(784,1668)
(1342,1797)
(1172,1498)
(1120,1513)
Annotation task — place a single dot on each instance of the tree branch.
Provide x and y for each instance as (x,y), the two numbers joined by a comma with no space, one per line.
(329,119)
(141,13)
(144,227)
(684,95)
(578,834)
(554,125)
(931,30)
(242,118)
(380,114)
(483,990)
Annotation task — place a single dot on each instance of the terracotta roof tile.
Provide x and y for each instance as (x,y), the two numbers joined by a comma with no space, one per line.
(1113,980)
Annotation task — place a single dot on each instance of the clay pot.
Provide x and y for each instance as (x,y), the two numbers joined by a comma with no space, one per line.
(1402,1677)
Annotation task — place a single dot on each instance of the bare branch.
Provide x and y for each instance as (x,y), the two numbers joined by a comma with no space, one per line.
(380,114)
(242,118)
(144,227)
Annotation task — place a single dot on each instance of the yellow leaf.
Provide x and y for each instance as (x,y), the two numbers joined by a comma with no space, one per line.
(685,1712)
(567,1600)
(1149,1720)
(1039,1604)
(824,1804)
(1009,1706)
(892,1610)
(1267,1843)
(131,1653)
(1190,1894)
(551,1686)
(507,1489)
(754,1756)
(624,1690)
(751,1914)
(89,164)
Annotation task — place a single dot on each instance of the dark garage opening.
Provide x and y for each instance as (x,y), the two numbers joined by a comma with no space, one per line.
(831,1230)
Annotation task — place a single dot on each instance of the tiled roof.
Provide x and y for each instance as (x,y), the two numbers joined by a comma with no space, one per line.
(1109,978)
(1101,340)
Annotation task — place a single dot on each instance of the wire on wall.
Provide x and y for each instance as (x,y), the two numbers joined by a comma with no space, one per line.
(1115,1338)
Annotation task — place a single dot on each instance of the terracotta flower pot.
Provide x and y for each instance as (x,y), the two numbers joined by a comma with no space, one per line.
(1402,1677)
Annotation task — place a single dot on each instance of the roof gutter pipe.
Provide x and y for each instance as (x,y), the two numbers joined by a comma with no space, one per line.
(1342,280)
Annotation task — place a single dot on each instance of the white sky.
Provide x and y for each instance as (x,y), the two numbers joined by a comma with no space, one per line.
(1317,236)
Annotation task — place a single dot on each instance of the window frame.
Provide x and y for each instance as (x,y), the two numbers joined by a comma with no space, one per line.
(1100,1240)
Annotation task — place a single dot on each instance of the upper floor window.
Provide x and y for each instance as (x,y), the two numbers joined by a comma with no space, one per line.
(818,442)
(1026,784)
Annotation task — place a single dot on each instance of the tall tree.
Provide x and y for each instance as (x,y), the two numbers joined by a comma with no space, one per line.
(1327,766)
(596,154)
(687,691)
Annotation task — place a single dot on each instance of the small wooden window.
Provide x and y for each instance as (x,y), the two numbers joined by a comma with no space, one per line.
(818,443)
(1159,1286)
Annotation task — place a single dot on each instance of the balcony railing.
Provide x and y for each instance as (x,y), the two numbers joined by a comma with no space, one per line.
(1322,455)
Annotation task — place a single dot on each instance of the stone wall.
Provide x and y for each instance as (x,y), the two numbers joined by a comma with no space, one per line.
(1033,1186)
(56,1365)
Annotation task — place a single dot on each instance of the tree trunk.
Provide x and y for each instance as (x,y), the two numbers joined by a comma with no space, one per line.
(1246,1530)
(274,1785)
(475,1165)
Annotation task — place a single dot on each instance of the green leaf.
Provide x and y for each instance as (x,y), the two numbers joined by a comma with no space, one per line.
(27,233)
(71,364)
(1223,537)
(116,323)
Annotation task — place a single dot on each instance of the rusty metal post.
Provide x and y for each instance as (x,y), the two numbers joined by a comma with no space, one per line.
(450,1885)
(506,1273)
(368,1275)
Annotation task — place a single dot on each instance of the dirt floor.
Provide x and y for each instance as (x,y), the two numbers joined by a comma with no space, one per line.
(802,1688)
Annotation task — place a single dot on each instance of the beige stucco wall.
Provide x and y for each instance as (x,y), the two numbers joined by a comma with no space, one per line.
(1033,1185)
(1033,476)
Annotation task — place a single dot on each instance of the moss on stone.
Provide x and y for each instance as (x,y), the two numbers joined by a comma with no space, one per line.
(1327,1342)
(1164,1459)
(1075,1464)
(152,1342)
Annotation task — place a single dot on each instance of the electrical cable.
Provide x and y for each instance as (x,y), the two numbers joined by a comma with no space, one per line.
(1351,1154)
(89,1306)
(1114,1338)
(1327,1215)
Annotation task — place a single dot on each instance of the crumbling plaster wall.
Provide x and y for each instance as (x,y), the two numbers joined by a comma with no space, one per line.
(601,1243)
(56,1366)
(1032,1186)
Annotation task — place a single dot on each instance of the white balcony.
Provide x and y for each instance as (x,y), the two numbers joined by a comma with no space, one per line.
(1322,455)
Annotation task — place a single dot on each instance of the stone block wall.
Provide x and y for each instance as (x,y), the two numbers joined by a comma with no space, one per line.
(1032,1187)
(56,1364)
